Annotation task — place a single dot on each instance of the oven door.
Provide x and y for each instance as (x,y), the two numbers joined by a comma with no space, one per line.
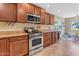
(35,42)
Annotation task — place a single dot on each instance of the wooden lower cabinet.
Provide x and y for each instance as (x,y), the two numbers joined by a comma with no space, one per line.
(14,46)
(4,47)
(18,48)
(50,38)
(47,39)
(54,37)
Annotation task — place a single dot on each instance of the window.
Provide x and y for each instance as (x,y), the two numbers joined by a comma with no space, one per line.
(58,25)
(75,25)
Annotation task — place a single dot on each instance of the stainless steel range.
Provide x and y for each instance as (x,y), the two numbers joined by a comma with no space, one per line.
(35,42)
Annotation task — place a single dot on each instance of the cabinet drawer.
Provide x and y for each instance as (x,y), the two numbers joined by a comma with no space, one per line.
(47,33)
(17,38)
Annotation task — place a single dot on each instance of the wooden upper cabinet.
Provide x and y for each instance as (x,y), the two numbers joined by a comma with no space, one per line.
(37,11)
(21,12)
(31,9)
(51,19)
(8,12)
(47,18)
(42,19)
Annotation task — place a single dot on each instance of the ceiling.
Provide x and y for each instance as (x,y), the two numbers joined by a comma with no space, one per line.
(64,10)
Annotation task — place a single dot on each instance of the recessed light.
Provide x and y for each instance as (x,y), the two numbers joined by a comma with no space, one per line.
(48,5)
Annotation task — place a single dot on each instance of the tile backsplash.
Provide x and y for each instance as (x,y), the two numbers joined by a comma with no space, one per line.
(5,26)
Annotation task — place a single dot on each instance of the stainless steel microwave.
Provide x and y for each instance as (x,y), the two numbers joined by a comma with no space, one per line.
(33,18)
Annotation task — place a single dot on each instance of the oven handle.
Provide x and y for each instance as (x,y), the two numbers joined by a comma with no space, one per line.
(36,38)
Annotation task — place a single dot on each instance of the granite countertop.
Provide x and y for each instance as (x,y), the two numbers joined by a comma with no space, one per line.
(11,34)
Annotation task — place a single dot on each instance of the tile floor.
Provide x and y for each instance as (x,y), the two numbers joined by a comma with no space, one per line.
(61,48)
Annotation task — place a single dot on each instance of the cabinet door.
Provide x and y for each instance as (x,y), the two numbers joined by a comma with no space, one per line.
(47,39)
(53,39)
(31,9)
(21,12)
(42,19)
(37,10)
(57,36)
(8,12)
(4,47)
(51,19)
(47,18)
(18,48)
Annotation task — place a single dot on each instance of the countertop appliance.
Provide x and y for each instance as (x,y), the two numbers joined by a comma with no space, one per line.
(35,41)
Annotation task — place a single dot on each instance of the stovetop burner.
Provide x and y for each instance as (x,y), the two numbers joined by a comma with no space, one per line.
(35,34)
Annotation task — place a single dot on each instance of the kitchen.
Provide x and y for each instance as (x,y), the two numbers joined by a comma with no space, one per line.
(26,29)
